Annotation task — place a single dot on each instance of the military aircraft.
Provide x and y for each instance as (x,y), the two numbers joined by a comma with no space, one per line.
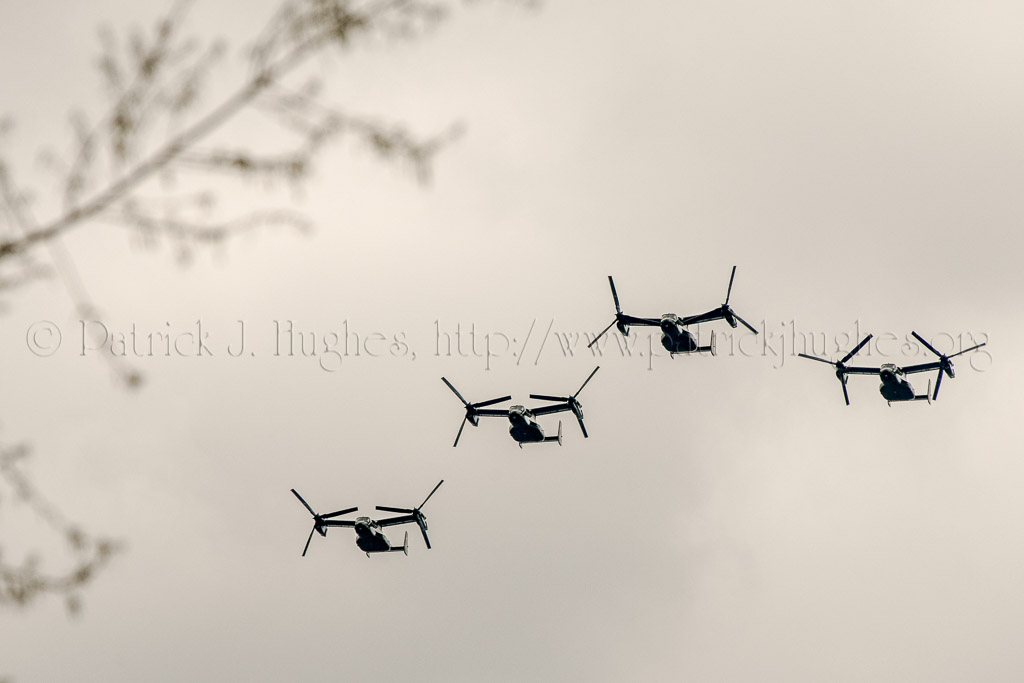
(895,387)
(674,337)
(524,427)
(369,535)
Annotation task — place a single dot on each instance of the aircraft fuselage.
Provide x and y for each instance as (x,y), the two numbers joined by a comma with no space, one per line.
(369,537)
(674,337)
(524,427)
(894,386)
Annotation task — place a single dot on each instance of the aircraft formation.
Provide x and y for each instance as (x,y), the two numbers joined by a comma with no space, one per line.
(524,427)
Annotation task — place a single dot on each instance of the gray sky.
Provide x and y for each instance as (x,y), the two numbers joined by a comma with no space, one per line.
(728,520)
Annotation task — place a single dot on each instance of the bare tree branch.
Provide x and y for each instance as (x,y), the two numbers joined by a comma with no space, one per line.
(302,27)
(21,584)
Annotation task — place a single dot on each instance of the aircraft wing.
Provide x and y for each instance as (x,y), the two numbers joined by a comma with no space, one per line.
(394,521)
(553,408)
(923,367)
(862,371)
(630,320)
(715,314)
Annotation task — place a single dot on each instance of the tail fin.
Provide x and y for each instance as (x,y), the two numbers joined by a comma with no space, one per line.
(553,438)
(405,545)
(927,395)
(712,347)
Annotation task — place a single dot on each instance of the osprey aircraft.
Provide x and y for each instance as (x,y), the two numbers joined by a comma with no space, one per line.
(523,425)
(895,387)
(674,337)
(369,532)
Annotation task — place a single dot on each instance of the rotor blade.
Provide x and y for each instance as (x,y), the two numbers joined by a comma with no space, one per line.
(580,420)
(308,540)
(602,333)
(303,501)
(430,494)
(615,295)
(938,383)
(748,325)
(585,381)
(384,508)
(729,293)
(338,513)
(804,355)
(464,401)
(846,394)
(423,530)
(926,344)
(542,397)
(491,402)
(461,427)
(976,346)
(856,348)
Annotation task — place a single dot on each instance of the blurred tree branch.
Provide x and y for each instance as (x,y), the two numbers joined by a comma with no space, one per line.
(160,80)
(23,583)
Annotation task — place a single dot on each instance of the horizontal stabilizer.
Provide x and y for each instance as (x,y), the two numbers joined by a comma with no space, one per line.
(549,439)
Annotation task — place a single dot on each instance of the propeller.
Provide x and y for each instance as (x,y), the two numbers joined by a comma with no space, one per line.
(318,520)
(419,517)
(729,314)
(945,364)
(574,405)
(618,316)
(840,365)
(471,408)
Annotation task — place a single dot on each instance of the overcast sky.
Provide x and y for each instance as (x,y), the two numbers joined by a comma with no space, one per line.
(729,518)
